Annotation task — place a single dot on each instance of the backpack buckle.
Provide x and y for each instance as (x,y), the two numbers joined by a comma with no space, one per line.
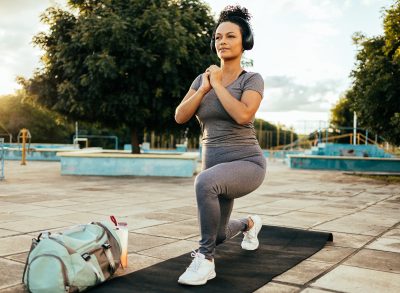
(86,256)
(106,246)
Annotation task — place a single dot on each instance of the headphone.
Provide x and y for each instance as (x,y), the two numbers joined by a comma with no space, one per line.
(247,33)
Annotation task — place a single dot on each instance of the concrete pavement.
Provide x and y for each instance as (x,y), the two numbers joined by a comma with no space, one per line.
(363,215)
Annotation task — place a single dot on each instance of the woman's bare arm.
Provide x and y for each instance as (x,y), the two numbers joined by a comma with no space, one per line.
(191,102)
(242,111)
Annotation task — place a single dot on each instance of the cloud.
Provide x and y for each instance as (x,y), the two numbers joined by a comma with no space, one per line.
(312,9)
(19,22)
(321,29)
(283,93)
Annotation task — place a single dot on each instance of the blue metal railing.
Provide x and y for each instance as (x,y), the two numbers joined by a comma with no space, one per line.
(1,158)
(113,137)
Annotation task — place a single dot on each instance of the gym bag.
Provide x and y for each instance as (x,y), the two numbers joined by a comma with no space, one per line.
(72,260)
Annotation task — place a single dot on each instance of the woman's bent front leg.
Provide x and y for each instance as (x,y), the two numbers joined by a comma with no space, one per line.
(223,181)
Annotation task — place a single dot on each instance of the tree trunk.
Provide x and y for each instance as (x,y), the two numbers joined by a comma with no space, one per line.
(134,141)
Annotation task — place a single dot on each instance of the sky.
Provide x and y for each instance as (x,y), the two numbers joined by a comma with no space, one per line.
(303,49)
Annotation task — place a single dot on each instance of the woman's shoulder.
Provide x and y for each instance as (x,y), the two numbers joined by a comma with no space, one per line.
(253,81)
(196,82)
(251,77)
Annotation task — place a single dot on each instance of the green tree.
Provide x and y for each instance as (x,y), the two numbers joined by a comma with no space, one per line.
(375,93)
(45,126)
(268,134)
(342,114)
(122,63)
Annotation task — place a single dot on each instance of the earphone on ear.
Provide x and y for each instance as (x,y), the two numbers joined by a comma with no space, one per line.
(247,34)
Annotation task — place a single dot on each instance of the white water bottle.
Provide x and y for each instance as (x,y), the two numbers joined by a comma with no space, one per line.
(122,231)
(121,228)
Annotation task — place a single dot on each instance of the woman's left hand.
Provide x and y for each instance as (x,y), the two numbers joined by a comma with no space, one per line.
(215,75)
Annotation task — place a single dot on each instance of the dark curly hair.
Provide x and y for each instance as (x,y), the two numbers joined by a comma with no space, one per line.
(231,11)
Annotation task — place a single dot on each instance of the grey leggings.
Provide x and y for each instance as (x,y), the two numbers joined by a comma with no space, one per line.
(227,173)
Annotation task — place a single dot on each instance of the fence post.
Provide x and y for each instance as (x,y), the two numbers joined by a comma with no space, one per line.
(24,134)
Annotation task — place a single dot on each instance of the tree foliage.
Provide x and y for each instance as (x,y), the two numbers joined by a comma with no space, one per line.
(122,63)
(270,135)
(342,114)
(45,126)
(375,93)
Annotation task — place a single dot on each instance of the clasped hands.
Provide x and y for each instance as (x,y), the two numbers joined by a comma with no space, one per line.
(212,78)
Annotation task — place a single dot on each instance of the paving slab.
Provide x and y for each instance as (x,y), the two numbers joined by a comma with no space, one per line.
(305,218)
(273,287)
(54,203)
(386,244)
(349,240)
(137,262)
(348,225)
(4,232)
(183,210)
(10,273)
(303,272)
(15,244)
(313,290)
(383,220)
(293,204)
(330,209)
(182,230)
(264,209)
(34,224)
(140,222)
(138,242)
(171,250)
(92,206)
(354,279)
(75,218)
(19,257)
(394,233)
(376,260)
(44,212)
(14,289)
(332,254)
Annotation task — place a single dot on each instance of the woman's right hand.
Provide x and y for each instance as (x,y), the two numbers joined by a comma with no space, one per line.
(205,86)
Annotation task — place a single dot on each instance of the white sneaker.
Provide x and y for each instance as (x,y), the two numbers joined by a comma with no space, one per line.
(199,272)
(250,240)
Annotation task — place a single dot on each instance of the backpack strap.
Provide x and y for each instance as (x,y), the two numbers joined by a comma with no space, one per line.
(108,250)
(109,256)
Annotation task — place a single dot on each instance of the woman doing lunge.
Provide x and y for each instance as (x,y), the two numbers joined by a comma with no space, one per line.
(225,99)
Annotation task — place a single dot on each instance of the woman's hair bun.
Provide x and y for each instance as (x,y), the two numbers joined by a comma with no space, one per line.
(234,11)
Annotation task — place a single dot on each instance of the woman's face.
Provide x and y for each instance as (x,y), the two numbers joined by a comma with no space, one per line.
(228,41)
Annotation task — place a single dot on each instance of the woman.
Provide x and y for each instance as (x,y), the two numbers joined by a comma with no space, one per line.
(225,100)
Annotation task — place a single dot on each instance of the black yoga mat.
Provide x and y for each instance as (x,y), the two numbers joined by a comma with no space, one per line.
(237,270)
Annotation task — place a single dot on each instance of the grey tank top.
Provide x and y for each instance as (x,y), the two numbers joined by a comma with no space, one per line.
(218,128)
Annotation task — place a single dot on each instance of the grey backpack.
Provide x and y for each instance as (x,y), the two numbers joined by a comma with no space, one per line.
(74,260)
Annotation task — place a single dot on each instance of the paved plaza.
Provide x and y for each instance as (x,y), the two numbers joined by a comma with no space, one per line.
(363,214)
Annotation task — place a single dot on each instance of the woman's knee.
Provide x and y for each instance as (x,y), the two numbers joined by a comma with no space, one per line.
(204,182)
